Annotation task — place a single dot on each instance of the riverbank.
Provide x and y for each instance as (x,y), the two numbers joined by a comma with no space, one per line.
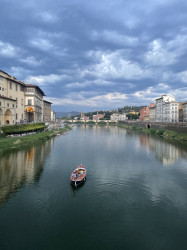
(168,134)
(15,142)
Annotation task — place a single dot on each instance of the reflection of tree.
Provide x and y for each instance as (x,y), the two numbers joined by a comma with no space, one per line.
(20,167)
(165,151)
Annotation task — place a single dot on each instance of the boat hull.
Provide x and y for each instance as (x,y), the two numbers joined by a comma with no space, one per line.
(78,183)
(78,176)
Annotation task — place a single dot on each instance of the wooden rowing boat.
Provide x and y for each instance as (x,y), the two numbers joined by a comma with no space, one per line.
(78,176)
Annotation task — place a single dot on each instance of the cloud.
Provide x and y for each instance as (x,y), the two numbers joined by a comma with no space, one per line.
(31,60)
(42,44)
(44,80)
(8,50)
(108,100)
(114,65)
(160,56)
(182,76)
(112,36)
(87,83)
(149,94)
(175,77)
(87,51)
(46,17)
(53,43)
(19,72)
(164,53)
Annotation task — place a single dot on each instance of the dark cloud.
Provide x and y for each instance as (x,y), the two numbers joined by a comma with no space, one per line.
(106,54)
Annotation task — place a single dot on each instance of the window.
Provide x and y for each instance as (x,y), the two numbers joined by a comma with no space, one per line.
(16,87)
(22,116)
(2,89)
(21,102)
(0,103)
(16,116)
(7,104)
(13,105)
(30,90)
(10,85)
(29,101)
(22,88)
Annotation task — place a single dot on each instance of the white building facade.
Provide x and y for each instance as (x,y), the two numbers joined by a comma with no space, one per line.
(53,116)
(161,109)
(171,112)
(118,117)
(184,111)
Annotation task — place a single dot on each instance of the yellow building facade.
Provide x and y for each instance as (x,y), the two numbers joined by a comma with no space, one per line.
(19,102)
(11,99)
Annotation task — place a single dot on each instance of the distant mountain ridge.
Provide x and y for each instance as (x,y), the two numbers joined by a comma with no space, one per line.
(67,114)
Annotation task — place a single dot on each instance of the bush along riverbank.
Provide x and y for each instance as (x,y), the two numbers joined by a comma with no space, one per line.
(20,140)
(23,128)
(169,134)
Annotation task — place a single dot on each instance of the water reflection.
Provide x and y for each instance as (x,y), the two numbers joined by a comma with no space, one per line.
(167,153)
(129,200)
(20,167)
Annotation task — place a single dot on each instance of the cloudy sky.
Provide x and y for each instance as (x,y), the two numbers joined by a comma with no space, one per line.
(101,54)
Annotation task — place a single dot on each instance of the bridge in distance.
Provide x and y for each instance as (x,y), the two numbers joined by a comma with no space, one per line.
(88,121)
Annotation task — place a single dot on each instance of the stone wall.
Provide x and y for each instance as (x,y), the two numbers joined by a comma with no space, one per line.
(177,127)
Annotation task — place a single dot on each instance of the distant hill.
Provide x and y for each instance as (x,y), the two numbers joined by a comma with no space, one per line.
(67,114)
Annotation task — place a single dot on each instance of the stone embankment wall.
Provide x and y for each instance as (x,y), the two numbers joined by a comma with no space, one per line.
(180,127)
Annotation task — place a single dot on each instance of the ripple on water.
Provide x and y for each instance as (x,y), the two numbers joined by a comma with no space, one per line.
(109,184)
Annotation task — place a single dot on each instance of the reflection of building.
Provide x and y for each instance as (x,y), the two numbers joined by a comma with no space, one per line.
(20,167)
(165,152)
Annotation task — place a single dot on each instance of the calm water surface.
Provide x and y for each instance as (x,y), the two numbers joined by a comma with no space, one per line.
(135,196)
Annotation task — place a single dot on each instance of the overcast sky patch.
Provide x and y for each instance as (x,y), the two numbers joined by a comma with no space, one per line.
(98,54)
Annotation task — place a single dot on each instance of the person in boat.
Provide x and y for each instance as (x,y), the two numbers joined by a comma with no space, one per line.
(75,175)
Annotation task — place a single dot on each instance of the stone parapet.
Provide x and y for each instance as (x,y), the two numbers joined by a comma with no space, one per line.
(179,127)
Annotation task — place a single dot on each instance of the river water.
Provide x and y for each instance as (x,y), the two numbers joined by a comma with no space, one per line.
(135,195)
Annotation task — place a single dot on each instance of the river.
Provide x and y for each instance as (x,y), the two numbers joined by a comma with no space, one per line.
(135,195)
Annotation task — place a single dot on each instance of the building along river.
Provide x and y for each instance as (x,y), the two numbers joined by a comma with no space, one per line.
(135,195)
